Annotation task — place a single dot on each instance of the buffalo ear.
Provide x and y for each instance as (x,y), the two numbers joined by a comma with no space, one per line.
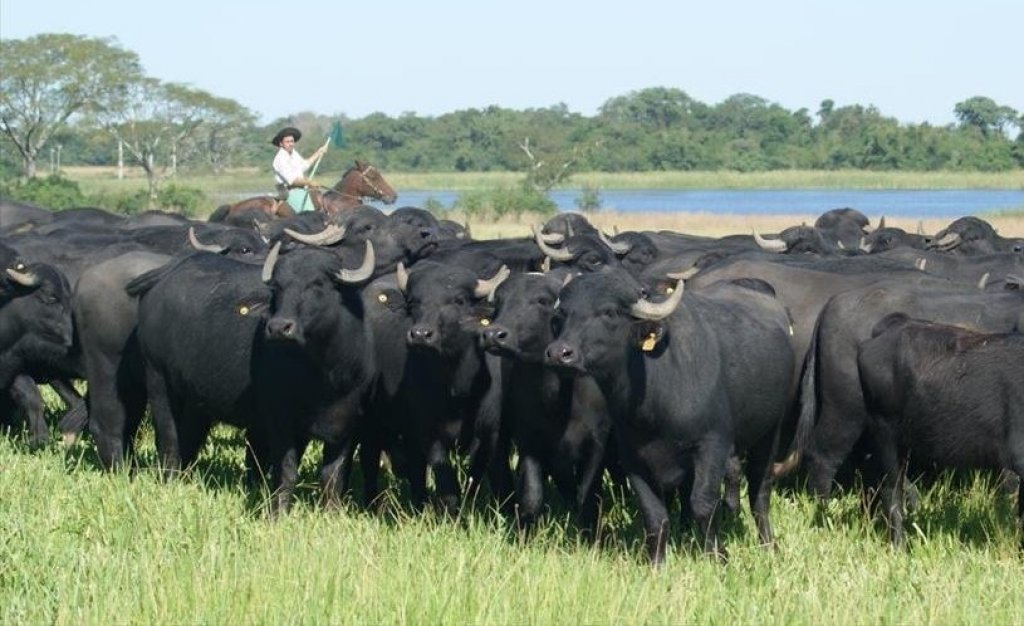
(648,335)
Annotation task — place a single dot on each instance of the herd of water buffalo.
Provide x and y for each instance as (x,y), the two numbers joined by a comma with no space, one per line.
(679,364)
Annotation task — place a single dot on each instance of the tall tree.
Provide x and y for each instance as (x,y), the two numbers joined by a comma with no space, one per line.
(48,78)
(158,124)
(985,115)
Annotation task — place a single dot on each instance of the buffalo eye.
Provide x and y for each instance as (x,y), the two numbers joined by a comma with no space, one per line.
(459,301)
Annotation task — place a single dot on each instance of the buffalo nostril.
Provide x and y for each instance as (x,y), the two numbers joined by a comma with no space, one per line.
(567,355)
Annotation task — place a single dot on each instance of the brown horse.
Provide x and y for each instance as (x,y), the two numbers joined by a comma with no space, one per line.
(360,181)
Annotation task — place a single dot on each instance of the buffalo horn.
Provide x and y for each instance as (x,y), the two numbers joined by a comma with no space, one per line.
(552,238)
(485,287)
(864,245)
(192,239)
(771,245)
(983,280)
(402,276)
(361,273)
(330,235)
(920,227)
(555,253)
(948,241)
(269,262)
(619,248)
(647,310)
(840,244)
(26,279)
(686,274)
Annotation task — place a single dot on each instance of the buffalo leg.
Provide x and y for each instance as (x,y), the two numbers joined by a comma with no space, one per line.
(759,485)
(892,481)
(164,424)
(588,488)
(25,394)
(706,499)
(445,480)
(334,471)
(656,527)
(531,491)
(76,417)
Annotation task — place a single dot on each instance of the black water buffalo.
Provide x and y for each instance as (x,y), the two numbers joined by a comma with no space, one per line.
(973,235)
(688,381)
(105,318)
(557,421)
(280,350)
(892,238)
(35,338)
(833,415)
(946,395)
(451,393)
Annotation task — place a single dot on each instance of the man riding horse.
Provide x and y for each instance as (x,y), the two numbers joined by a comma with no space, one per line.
(290,169)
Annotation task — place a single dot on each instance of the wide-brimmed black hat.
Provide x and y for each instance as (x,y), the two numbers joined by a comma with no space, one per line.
(287,131)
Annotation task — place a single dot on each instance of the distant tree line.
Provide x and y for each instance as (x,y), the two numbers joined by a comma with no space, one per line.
(84,101)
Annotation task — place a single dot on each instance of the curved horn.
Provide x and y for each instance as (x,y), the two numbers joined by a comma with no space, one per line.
(552,238)
(864,245)
(270,262)
(647,310)
(555,253)
(948,241)
(983,280)
(684,275)
(330,235)
(25,279)
(920,227)
(840,244)
(361,273)
(881,222)
(771,245)
(192,239)
(545,265)
(402,276)
(485,287)
(618,248)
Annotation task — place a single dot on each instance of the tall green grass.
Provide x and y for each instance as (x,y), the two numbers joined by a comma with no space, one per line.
(78,546)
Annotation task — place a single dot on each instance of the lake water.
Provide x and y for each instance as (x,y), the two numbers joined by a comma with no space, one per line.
(907,203)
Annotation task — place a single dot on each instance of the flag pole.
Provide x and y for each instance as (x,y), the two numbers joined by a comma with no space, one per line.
(312,173)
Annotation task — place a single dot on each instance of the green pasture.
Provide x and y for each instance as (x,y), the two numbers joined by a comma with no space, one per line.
(78,546)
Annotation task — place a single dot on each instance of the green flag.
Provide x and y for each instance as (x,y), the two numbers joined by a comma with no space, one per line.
(336,137)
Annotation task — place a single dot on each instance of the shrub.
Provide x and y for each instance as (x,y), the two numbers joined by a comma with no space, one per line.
(589,200)
(53,192)
(499,202)
(184,200)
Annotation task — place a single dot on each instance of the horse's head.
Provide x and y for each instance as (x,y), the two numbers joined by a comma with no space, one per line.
(366,181)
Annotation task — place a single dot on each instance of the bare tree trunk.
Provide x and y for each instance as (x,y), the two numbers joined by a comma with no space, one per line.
(120,160)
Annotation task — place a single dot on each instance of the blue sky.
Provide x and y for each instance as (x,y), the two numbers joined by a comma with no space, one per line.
(912,59)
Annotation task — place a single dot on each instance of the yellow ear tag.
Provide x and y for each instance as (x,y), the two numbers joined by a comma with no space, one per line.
(383,297)
(20,267)
(649,343)
(484,321)
(243,310)
(669,289)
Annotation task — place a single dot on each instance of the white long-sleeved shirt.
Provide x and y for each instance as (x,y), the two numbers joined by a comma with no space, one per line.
(289,166)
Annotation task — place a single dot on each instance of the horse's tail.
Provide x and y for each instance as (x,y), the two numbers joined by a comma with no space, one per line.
(219,213)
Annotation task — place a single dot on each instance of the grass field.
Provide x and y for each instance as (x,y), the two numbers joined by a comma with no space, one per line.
(82,547)
(247,179)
